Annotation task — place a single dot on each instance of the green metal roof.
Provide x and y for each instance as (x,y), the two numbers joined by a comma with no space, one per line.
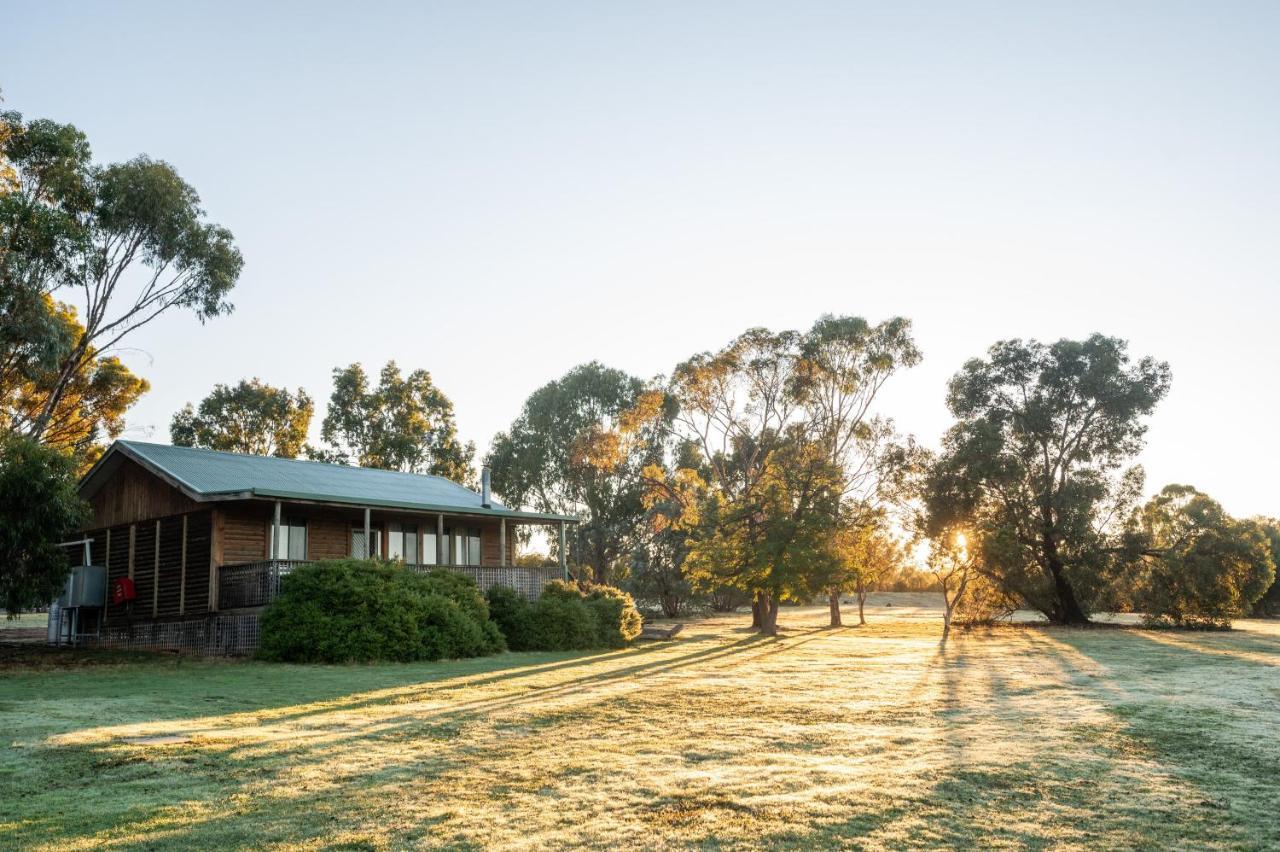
(211,475)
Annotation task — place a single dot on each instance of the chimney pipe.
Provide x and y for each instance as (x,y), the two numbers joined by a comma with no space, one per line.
(484,488)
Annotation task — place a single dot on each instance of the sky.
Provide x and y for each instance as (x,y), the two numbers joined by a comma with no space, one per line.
(497,192)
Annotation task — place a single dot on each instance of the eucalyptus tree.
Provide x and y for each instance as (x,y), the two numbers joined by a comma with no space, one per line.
(1269,603)
(252,417)
(1036,463)
(1190,563)
(128,242)
(842,365)
(795,411)
(403,423)
(580,446)
(738,406)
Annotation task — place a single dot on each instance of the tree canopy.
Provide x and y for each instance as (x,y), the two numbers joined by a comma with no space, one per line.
(403,423)
(129,240)
(579,447)
(91,408)
(39,507)
(251,417)
(1036,463)
(791,452)
(1192,564)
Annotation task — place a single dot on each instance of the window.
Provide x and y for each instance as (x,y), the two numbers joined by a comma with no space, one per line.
(430,547)
(466,546)
(293,539)
(402,542)
(357,542)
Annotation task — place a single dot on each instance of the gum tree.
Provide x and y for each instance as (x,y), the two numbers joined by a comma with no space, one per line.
(1037,460)
(402,423)
(128,242)
(251,417)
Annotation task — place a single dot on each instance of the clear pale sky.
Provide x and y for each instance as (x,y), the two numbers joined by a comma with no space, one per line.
(497,192)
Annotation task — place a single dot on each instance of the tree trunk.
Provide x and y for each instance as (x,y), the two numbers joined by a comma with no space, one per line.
(757,610)
(1066,607)
(834,594)
(862,605)
(769,621)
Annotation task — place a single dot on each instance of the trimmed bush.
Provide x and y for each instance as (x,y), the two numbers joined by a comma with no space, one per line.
(565,618)
(617,619)
(511,613)
(356,610)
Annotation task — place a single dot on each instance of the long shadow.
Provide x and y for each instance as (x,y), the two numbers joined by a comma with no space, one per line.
(1233,776)
(328,748)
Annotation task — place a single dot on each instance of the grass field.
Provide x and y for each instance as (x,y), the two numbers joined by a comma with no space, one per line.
(864,736)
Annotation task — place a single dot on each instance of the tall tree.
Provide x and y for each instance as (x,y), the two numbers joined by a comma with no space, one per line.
(404,423)
(128,240)
(251,417)
(1190,563)
(843,363)
(793,412)
(580,447)
(1036,461)
(39,507)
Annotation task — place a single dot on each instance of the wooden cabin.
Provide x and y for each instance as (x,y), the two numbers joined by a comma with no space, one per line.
(203,537)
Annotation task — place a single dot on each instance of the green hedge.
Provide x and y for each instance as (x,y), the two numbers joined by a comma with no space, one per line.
(565,618)
(357,610)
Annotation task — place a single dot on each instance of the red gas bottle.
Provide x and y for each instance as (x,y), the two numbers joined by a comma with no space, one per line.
(122,590)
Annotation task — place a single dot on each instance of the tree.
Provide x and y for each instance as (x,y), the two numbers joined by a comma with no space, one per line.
(793,412)
(39,508)
(92,404)
(405,423)
(1191,564)
(953,564)
(579,447)
(864,556)
(129,240)
(1036,459)
(843,363)
(776,540)
(1269,603)
(252,417)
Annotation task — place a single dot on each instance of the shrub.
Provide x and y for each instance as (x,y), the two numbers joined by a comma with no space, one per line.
(558,623)
(565,618)
(617,619)
(511,613)
(356,610)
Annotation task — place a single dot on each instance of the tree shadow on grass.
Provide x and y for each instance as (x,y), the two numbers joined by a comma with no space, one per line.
(209,764)
(1078,786)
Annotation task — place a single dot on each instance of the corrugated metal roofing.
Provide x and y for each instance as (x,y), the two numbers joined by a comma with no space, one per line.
(209,473)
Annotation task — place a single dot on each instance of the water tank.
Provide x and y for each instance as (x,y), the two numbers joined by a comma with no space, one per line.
(87,586)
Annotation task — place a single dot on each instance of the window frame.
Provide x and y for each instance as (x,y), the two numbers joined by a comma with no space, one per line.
(287,526)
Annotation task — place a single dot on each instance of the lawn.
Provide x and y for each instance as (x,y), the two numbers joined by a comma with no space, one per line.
(864,736)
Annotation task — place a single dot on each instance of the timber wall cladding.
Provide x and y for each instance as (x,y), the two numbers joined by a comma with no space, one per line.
(117,561)
(328,538)
(169,590)
(199,544)
(144,567)
(133,494)
(244,535)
